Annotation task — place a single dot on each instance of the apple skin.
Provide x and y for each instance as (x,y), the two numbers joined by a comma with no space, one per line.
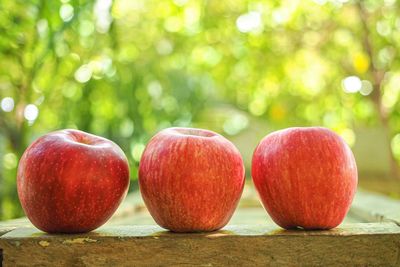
(191,179)
(306,177)
(70,181)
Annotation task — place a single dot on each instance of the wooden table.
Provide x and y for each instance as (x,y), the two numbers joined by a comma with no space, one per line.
(369,236)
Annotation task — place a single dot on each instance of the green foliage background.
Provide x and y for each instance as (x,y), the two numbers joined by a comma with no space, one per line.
(126,69)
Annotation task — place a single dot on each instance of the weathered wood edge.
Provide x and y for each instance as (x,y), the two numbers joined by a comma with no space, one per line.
(4,230)
(372,207)
(361,244)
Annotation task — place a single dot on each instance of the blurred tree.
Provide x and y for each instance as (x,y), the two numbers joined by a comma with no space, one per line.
(125,69)
(381,54)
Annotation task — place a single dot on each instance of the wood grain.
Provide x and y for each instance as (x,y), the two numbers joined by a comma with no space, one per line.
(376,244)
(4,230)
(250,239)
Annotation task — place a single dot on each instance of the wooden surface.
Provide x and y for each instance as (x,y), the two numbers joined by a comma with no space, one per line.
(366,207)
(375,244)
(131,238)
(4,230)
(375,208)
(133,212)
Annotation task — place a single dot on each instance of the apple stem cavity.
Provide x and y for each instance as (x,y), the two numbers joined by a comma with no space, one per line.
(193,132)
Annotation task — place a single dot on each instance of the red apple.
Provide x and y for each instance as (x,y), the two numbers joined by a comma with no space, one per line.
(305,177)
(70,181)
(191,180)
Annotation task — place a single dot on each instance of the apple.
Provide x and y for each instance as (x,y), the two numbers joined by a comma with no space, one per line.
(191,179)
(70,181)
(306,177)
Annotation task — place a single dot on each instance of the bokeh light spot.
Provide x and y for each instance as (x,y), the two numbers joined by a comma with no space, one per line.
(83,74)
(366,87)
(154,89)
(86,28)
(10,161)
(31,112)
(66,12)
(395,144)
(235,124)
(249,22)
(127,128)
(7,104)
(101,11)
(351,84)
(164,47)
